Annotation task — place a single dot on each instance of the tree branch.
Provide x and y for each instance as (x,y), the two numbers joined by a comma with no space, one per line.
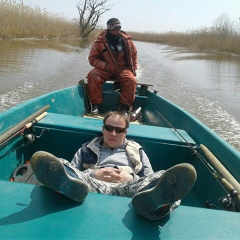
(90,12)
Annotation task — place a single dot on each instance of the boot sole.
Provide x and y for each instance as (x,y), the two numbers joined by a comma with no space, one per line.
(173,185)
(50,171)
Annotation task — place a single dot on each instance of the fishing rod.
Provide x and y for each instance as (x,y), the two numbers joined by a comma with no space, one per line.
(194,151)
(224,178)
(23,125)
(227,181)
(220,168)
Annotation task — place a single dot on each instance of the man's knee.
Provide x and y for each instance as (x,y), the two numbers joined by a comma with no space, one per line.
(132,80)
(91,75)
(95,75)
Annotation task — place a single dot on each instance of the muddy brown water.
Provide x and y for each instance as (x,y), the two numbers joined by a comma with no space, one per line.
(205,84)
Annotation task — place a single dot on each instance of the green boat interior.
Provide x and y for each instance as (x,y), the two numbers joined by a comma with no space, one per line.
(37,210)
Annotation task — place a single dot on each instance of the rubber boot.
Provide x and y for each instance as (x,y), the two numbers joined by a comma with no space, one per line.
(94,109)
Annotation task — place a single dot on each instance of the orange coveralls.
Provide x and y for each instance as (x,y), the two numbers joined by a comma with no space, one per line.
(108,64)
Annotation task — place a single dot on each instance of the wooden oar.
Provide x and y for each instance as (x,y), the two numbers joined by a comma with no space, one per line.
(20,127)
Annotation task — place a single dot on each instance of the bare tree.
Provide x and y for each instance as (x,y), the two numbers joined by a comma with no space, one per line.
(223,25)
(89,14)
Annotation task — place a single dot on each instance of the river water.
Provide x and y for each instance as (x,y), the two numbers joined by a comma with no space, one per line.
(206,85)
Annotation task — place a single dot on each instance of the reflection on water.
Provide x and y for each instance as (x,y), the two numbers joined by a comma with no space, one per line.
(26,61)
(206,85)
(215,75)
(30,68)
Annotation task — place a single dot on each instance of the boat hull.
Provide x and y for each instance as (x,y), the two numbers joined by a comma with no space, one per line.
(64,129)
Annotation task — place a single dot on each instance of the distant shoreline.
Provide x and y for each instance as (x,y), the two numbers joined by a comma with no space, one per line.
(20,22)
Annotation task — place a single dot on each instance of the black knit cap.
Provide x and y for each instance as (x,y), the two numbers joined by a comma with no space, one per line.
(113,23)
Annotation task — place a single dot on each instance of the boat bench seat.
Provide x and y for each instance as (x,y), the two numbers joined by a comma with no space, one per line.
(94,126)
(52,215)
(141,87)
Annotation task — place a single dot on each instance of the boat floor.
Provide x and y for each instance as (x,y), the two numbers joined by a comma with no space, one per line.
(35,212)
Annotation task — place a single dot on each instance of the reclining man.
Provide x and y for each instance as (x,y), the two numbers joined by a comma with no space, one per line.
(112,164)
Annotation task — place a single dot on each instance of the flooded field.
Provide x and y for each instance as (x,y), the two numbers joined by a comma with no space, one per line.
(206,85)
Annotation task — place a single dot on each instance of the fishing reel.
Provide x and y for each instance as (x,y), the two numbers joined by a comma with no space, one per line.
(30,137)
(26,140)
(226,202)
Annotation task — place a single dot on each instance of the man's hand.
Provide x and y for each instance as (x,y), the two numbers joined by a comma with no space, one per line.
(112,175)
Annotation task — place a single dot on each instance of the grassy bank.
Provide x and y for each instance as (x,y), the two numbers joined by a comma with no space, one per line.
(20,21)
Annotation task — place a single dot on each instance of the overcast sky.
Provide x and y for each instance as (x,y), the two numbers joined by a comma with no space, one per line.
(153,15)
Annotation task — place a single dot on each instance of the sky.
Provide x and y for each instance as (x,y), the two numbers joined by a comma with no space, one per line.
(153,15)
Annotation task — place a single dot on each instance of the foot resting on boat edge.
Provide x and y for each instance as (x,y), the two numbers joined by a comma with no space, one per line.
(53,174)
(174,184)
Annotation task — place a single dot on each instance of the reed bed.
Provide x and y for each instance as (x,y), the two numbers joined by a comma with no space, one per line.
(20,21)
(205,39)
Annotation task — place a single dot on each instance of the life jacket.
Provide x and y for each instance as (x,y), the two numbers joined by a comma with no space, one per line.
(90,154)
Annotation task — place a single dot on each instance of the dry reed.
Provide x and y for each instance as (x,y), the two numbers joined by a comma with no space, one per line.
(20,21)
(204,39)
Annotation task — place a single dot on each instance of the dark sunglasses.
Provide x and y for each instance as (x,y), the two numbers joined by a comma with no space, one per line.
(114,26)
(110,128)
